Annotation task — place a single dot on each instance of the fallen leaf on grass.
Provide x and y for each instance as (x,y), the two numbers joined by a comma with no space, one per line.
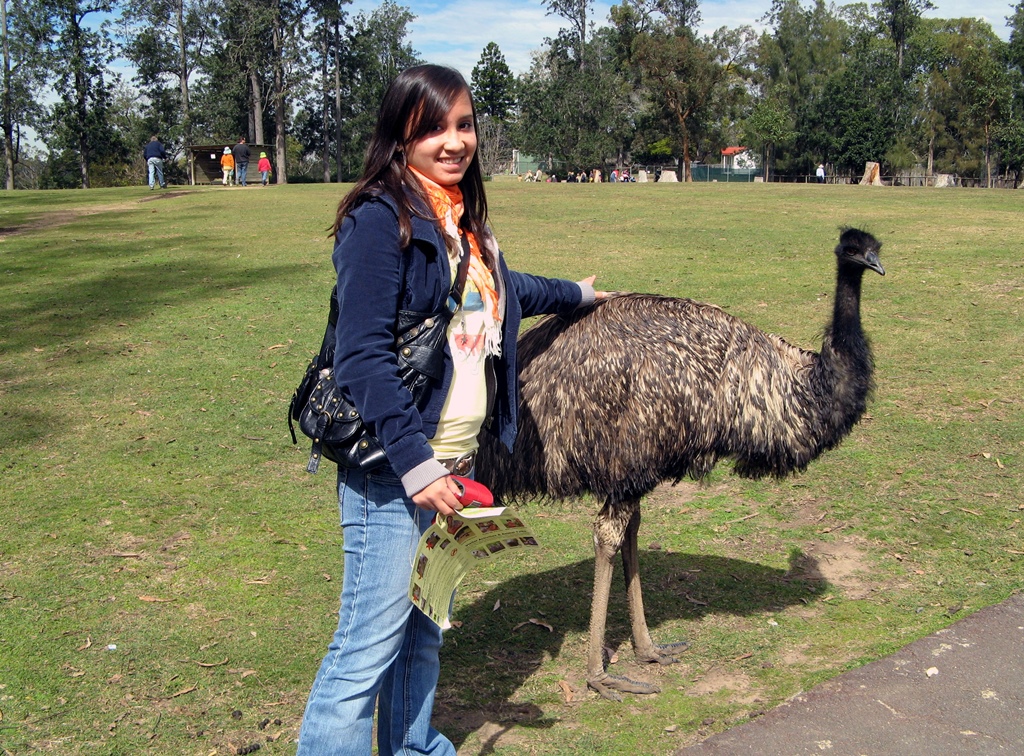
(611,655)
(497,605)
(87,644)
(276,346)
(154,599)
(213,664)
(695,601)
(534,621)
(567,690)
(183,692)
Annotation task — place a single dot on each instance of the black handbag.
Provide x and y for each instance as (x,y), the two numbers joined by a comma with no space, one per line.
(327,416)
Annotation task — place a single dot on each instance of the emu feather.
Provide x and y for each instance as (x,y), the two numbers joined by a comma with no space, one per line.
(641,388)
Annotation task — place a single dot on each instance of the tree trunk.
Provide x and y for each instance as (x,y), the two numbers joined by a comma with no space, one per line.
(6,103)
(81,105)
(988,157)
(337,95)
(687,176)
(186,108)
(279,104)
(325,154)
(257,107)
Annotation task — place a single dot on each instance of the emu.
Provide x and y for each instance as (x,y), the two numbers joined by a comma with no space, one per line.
(642,389)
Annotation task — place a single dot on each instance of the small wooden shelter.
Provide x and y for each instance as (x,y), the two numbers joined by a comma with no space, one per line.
(204,161)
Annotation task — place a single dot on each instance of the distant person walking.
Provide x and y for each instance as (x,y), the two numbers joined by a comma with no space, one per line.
(155,156)
(227,166)
(241,154)
(264,168)
(820,173)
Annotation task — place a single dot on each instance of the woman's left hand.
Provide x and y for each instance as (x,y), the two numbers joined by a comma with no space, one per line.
(597,294)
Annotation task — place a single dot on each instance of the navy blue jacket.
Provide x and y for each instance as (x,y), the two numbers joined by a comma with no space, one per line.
(376,279)
(154,150)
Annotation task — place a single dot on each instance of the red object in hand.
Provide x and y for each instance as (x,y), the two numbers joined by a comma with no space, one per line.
(473,494)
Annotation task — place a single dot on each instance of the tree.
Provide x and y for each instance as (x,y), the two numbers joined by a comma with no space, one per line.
(683,15)
(166,40)
(79,54)
(900,17)
(326,95)
(494,96)
(289,17)
(683,74)
(794,61)
(767,127)
(965,93)
(574,115)
(492,83)
(576,13)
(376,51)
(22,33)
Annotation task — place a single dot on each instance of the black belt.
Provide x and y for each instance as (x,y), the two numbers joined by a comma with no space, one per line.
(460,465)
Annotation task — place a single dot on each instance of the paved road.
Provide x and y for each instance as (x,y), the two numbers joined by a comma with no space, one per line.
(957,691)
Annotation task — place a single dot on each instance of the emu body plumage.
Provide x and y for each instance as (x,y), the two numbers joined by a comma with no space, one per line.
(640,389)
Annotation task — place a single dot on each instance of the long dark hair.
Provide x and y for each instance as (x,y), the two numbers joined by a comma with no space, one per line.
(417,100)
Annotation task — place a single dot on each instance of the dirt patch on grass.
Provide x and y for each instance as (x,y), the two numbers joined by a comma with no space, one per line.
(50,220)
(840,563)
(59,218)
(162,195)
(738,685)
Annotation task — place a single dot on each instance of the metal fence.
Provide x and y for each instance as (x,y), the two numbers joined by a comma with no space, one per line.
(911,180)
(701,172)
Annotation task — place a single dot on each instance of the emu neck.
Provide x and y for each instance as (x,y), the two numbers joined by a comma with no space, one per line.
(846,327)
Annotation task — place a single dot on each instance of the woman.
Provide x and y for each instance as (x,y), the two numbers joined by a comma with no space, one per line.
(400,234)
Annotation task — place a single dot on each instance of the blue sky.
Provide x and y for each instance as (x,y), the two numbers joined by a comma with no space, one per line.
(454,32)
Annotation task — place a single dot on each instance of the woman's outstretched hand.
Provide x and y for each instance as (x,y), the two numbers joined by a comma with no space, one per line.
(597,294)
(441,496)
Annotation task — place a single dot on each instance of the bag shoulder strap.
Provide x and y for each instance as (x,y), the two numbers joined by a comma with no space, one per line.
(460,274)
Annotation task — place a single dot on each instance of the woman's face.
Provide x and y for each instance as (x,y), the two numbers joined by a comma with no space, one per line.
(443,155)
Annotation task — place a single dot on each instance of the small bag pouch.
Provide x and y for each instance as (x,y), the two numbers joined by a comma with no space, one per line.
(327,416)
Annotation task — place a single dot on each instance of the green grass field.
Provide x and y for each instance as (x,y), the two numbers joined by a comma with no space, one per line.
(169,574)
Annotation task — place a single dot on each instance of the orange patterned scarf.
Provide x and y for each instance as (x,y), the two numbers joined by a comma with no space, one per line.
(446,202)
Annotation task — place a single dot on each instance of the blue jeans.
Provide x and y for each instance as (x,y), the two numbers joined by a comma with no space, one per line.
(263,177)
(156,171)
(385,651)
(240,171)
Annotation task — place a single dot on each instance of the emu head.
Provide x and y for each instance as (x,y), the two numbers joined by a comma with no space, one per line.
(859,248)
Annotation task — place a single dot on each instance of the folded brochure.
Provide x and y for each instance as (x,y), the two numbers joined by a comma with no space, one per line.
(453,545)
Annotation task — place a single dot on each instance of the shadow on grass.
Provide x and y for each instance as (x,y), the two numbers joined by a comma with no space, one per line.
(486,661)
(120,275)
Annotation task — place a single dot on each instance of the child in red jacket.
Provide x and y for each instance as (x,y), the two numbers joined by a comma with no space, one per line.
(264,167)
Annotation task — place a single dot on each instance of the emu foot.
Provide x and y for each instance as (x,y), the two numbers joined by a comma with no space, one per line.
(609,686)
(662,653)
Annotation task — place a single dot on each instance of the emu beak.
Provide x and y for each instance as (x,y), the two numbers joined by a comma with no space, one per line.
(872,261)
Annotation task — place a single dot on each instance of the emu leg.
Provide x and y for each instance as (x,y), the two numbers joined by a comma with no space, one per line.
(644,647)
(608,533)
